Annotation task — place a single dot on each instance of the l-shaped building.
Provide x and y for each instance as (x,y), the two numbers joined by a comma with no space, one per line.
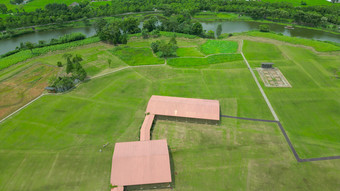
(145,164)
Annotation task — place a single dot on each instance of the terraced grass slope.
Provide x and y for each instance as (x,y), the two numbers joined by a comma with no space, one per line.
(309,110)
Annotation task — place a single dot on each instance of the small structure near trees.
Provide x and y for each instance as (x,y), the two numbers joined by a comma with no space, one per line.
(75,73)
(51,89)
(267,65)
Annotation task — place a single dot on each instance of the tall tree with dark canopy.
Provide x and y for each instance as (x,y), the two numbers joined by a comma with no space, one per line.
(219,30)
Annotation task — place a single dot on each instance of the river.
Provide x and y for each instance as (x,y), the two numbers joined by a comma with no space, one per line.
(227,27)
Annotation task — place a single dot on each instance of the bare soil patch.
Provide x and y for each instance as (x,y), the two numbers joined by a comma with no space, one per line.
(24,87)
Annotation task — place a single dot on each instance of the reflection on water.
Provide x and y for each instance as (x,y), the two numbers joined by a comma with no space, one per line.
(227,27)
(11,44)
(242,26)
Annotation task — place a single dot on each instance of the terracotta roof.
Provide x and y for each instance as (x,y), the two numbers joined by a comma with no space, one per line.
(184,107)
(140,162)
(146,127)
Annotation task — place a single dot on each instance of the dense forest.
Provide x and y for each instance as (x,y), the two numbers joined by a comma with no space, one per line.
(59,13)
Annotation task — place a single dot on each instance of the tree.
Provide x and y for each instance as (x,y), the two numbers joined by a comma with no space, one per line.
(41,42)
(86,21)
(197,29)
(3,8)
(30,46)
(130,25)
(150,24)
(264,28)
(145,33)
(69,66)
(67,56)
(173,40)
(59,21)
(210,34)
(109,61)
(59,64)
(99,24)
(163,49)
(111,33)
(219,30)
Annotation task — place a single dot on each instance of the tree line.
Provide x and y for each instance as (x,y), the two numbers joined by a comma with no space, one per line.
(59,13)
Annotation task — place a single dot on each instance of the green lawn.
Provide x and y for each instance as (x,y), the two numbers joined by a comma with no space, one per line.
(309,110)
(189,52)
(219,46)
(213,59)
(239,155)
(137,56)
(54,143)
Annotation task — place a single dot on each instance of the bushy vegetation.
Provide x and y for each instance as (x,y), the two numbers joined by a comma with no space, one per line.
(111,31)
(219,46)
(74,73)
(264,28)
(214,59)
(163,49)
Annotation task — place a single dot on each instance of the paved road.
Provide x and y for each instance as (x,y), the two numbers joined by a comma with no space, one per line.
(287,139)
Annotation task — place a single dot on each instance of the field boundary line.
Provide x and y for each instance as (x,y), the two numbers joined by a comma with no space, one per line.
(287,139)
(259,85)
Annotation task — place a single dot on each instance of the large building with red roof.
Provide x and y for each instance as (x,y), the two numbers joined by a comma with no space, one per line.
(146,163)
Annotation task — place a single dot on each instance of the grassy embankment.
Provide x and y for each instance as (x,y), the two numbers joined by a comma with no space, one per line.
(54,143)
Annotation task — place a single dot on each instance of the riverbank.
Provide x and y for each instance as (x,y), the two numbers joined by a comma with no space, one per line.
(201,17)
(71,24)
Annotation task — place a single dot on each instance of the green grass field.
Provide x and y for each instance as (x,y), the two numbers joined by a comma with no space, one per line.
(219,46)
(54,143)
(137,56)
(309,110)
(189,52)
(213,59)
(239,155)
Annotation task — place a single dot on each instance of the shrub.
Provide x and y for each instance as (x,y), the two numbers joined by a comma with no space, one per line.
(59,64)
(264,28)
(210,34)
